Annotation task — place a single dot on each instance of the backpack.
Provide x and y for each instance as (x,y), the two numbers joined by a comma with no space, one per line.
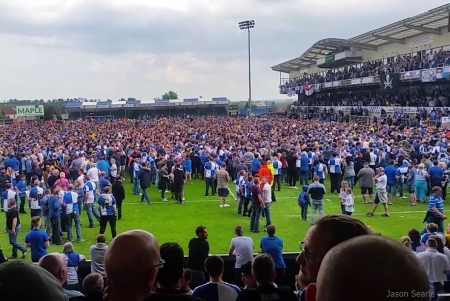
(303,199)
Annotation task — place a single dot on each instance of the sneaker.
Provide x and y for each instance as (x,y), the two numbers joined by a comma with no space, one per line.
(385,215)
(80,240)
(24,254)
(12,257)
(226,205)
(221,206)
(165,200)
(369,214)
(403,197)
(183,199)
(295,187)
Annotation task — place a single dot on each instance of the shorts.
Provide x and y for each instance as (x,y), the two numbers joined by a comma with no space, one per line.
(411,188)
(188,172)
(122,168)
(223,192)
(381,196)
(367,190)
(391,188)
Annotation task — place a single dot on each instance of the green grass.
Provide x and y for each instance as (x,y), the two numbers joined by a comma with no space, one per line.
(174,222)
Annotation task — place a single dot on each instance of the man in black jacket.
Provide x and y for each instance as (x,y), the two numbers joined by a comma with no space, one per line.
(119,194)
(179,177)
(4,178)
(145,180)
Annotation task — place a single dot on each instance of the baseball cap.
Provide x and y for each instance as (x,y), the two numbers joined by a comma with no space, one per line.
(380,168)
(41,285)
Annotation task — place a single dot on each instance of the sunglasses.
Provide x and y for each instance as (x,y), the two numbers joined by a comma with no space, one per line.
(160,264)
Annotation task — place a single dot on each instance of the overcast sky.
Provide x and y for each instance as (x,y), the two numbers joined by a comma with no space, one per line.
(144,48)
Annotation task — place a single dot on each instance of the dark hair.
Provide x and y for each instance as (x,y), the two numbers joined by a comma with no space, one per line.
(214,266)
(270,230)
(341,228)
(172,271)
(432,227)
(262,268)
(101,238)
(414,234)
(199,230)
(440,244)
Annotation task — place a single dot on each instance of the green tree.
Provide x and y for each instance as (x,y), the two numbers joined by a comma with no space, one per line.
(170,95)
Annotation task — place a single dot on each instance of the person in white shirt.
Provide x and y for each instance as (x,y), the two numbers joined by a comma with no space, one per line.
(93,173)
(267,197)
(381,195)
(113,169)
(349,202)
(242,247)
(435,263)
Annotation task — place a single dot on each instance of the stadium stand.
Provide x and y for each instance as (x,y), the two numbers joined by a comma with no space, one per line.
(218,106)
(405,64)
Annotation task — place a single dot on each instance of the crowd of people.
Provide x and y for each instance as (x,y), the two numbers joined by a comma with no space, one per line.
(60,169)
(399,64)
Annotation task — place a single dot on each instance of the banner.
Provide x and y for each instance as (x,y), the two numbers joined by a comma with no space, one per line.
(356,81)
(367,80)
(309,89)
(390,82)
(443,72)
(445,120)
(429,76)
(411,74)
(36,110)
(282,89)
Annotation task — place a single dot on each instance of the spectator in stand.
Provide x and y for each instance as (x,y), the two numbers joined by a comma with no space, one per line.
(436,264)
(55,264)
(216,289)
(241,247)
(198,252)
(327,232)
(72,260)
(263,269)
(97,254)
(132,277)
(246,276)
(170,275)
(416,244)
(273,246)
(40,284)
(402,277)
(92,287)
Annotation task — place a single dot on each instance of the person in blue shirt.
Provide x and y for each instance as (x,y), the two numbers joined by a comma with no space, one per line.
(256,165)
(391,174)
(21,186)
(304,169)
(13,163)
(273,246)
(103,166)
(72,213)
(107,204)
(187,165)
(216,289)
(37,240)
(436,174)
(102,181)
(435,213)
(54,206)
(203,159)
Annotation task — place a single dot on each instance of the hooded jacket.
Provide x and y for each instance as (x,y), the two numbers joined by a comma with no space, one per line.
(145,177)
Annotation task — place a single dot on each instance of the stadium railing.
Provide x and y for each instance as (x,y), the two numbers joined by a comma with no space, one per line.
(229,275)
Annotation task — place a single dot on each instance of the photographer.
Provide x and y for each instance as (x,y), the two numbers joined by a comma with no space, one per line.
(107,204)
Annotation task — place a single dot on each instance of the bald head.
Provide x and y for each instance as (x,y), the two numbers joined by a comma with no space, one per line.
(131,262)
(56,265)
(350,262)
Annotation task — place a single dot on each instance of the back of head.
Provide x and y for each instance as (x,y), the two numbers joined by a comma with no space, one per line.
(21,280)
(396,268)
(131,262)
(172,271)
(56,265)
(341,228)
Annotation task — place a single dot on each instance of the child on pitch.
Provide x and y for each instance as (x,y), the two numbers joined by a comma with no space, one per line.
(349,202)
(343,195)
(304,202)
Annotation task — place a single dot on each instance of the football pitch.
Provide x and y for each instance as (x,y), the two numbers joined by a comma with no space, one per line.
(170,221)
